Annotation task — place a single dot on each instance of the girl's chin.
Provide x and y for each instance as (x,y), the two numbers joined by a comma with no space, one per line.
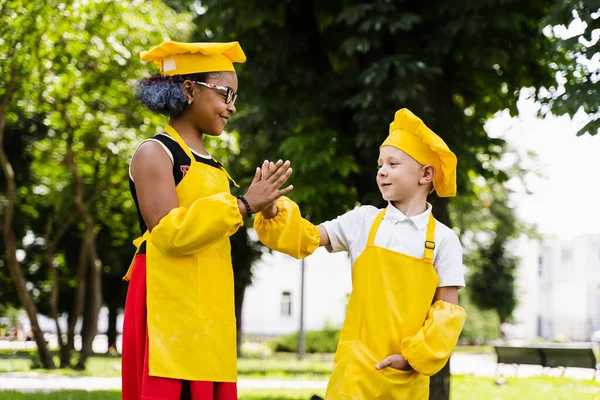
(213,133)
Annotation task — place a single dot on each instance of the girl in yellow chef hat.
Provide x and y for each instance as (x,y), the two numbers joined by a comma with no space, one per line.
(179,330)
(403,319)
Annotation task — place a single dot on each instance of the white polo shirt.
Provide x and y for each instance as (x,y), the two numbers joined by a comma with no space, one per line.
(397,232)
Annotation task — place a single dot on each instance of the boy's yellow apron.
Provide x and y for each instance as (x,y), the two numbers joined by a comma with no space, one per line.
(391,295)
(190,298)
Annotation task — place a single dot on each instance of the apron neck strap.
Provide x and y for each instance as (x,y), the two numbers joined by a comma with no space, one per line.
(227,173)
(429,239)
(173,133)
(375,227)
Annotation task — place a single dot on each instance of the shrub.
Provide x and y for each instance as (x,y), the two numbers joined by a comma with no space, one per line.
(323,341)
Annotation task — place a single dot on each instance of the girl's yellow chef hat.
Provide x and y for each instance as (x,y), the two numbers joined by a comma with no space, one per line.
(189,58)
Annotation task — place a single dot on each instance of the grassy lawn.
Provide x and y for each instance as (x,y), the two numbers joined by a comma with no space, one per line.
(467,387)
(463,388)
(61,395)
(280,366)
(285,366)
(99,365)
(474,349)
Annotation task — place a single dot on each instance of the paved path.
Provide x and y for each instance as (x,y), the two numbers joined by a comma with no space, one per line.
(476,364)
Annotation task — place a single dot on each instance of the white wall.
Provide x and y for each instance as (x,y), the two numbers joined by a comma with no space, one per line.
(569,293)
(527,285)
(327,285)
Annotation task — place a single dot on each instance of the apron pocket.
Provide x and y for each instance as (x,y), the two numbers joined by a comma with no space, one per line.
(215,289)
(361,383)
(398,384)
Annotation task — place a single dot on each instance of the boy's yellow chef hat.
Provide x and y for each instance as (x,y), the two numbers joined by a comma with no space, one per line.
(410,134)
(189,58)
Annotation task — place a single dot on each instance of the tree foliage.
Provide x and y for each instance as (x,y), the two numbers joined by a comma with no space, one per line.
(77,99)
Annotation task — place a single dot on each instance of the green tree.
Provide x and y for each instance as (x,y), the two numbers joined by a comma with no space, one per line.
(77,204)
(323,80)
(20,67)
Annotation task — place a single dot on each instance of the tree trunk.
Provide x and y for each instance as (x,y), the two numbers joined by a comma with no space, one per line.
(48,259)
(240,291)
(79,300)
(86,242)
(14,267)
(439,385)
(51,238)
(94,301)
(111,333)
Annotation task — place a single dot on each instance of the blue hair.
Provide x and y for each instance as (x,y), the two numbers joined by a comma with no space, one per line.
(165,95)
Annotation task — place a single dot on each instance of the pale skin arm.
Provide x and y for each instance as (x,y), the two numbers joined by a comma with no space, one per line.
(271,211)
(396,361)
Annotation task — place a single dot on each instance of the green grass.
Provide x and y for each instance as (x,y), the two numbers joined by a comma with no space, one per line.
(285,366)
(474,349)
(463,388)
(467,387)
(101,366)
(62,395)
(270,394)
(281,366)
(277,394)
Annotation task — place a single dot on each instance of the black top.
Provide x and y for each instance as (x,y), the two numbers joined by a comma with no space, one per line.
(181,164)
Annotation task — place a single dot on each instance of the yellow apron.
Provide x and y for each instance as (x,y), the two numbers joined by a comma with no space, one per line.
(190,298)
(391,295)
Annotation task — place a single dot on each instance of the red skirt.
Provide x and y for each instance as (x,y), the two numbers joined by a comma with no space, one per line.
(137,383)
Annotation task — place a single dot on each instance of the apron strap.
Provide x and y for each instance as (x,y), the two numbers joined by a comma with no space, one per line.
(227,173)
(137,243)
(173,133)
(375,227)
(429,239)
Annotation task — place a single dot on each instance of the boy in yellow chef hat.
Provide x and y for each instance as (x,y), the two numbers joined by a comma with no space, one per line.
(179,330)
(403,320)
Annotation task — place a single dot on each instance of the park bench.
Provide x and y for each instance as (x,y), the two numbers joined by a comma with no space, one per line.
(548,356)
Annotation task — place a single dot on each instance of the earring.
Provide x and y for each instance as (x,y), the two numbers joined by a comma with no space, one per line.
(189,101)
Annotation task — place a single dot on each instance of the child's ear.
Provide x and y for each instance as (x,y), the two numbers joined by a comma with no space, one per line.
(428,173)
(188,87)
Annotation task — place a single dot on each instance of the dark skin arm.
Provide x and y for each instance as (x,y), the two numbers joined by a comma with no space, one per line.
(151,170)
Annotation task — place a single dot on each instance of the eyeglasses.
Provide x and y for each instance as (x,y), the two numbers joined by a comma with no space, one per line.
(230,95)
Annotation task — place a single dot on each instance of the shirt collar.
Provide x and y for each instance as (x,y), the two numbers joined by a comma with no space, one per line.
(396,216)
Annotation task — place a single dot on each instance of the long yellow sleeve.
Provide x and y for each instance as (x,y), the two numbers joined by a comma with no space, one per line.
(287,232)
(428,351)
(184,230)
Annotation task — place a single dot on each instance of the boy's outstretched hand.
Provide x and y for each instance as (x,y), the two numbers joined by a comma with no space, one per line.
(395,361)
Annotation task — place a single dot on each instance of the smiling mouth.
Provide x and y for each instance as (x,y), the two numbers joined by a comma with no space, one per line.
(224,119)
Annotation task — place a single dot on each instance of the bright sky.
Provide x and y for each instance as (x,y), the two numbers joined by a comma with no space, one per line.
(565,199)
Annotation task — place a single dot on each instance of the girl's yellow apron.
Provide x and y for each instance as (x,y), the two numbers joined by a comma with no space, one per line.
(391,295)
(190,298)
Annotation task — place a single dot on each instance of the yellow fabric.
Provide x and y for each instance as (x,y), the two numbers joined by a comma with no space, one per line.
(287,232)
(189,58)
(391,295)
(409,134)
(190,292)
(429,350)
